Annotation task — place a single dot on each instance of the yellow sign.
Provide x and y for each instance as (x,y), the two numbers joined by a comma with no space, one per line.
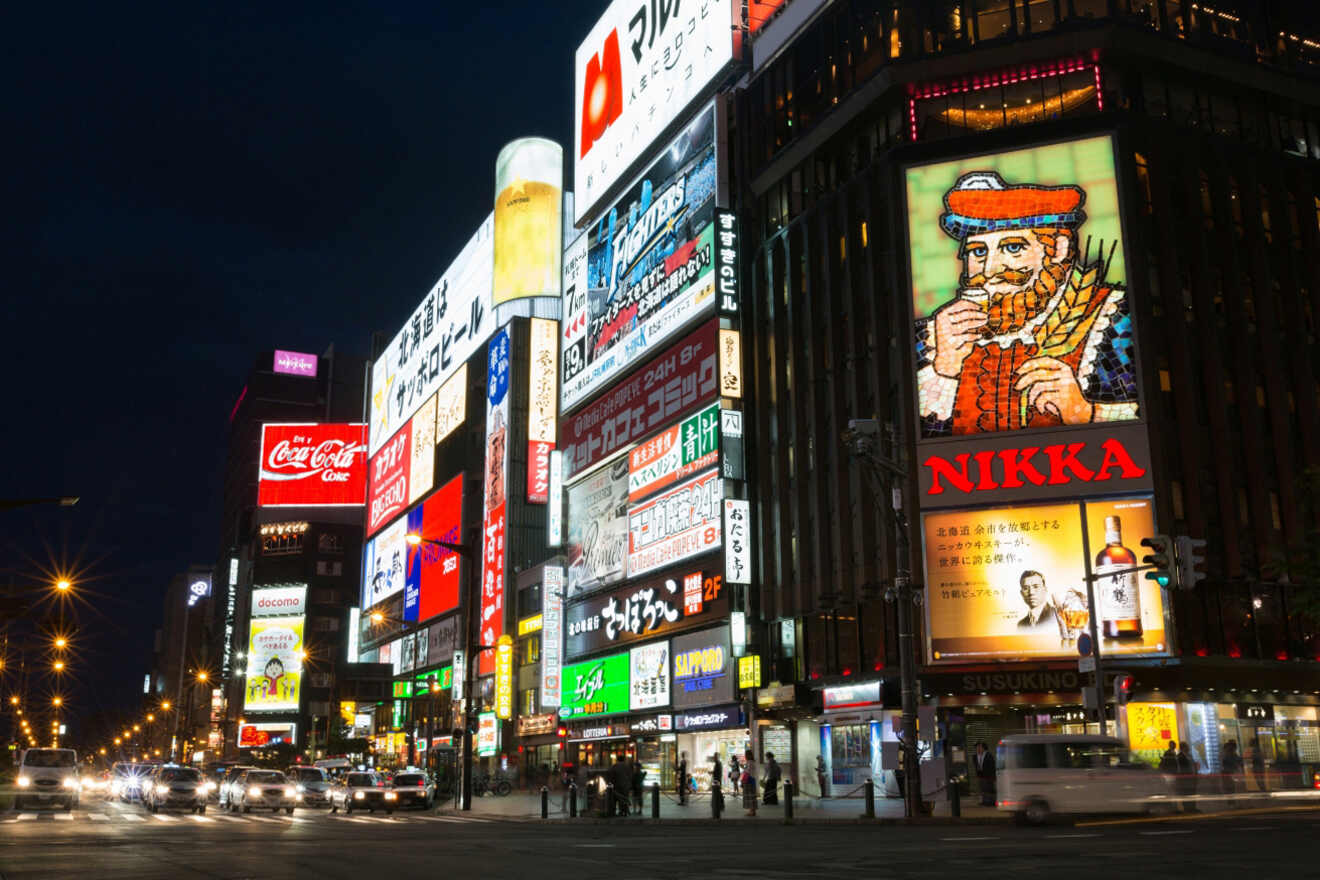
(530,624)
(1010,582)
(451,404)
(749,671)
(1151,726)
(504,677)
(348,712)
(529,177)
(730,364)
(274,676)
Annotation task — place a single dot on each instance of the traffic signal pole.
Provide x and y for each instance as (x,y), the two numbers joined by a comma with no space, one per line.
(1098,672)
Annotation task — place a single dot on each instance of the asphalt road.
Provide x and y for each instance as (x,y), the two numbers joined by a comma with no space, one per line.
(114,841)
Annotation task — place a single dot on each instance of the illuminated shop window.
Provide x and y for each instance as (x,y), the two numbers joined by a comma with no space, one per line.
(1020,96)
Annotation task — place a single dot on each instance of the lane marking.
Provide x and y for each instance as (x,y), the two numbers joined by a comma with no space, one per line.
(161,817)
(24,817)
(594,845)
(203,820)
(1156,833)
(129,817)
(1069,836)
(98,817)
(969,838)
(1256,828)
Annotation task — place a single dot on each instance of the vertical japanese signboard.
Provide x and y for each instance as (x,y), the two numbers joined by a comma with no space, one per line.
(731,384)
(451,404)
(649,676)
(387,480)
(554,520)
(421,469)
(496,482)
(552,634)
(737,543)
(504,677)
(542,408)
(731,437)
(726,261)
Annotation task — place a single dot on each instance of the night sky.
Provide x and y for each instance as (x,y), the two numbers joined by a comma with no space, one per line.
(188,186)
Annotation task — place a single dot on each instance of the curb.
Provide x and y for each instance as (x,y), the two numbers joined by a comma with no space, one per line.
(930,821)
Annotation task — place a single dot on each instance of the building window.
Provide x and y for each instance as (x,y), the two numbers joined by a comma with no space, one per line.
(281,544)
(1143,183)
(325,624)
(327,542)
(1265,215)
(1165,383)
(1244,510)
(529,601)
(321,679)
(992,19)
(329,569)
(531,651)
(1014,97)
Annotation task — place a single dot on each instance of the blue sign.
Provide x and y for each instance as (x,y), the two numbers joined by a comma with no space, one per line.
(1084,646)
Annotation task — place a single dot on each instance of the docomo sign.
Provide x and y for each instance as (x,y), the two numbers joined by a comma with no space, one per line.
(641,67)
(312,465)
(279,601)
(387,490)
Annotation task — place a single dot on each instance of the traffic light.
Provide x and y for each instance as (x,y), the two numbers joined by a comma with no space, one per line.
(1191,561)
(1161,556)
(1122,689)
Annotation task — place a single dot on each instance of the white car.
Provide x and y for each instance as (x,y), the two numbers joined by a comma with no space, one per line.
(1042,774)
(312,783)
(47,777)
(262,788)
(362,790)
(172,786)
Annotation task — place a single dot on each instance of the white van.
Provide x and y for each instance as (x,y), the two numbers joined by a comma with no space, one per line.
(47,777)
(1040,774)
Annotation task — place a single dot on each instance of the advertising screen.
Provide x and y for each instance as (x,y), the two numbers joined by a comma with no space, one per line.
(312,465)
(432,577)
(650,266)
(274,674)
(1010,583)
(421,442)
(542,424)
(451,404)
(383,564)
(440,639)
(597,529)
(552,635)
(1021,312)
(703,669)
(675,454)
(285,601)
(670,387)
(488,734)
(262,735)
(643,611)
(295,363)
(496,495)
(596,687)
(639,69)
(448,326)
(387,480)
(676,524)
(529,181)
(649,678)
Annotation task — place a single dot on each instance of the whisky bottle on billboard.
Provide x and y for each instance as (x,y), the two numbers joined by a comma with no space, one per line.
(1117,594)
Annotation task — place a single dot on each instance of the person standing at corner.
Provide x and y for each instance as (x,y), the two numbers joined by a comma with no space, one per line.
(716,779)
(985,774)
(748,783)
(1187,771)
(735,773)
(682,779)
(773,773)
(1258,765)
(820,776)
(638,781)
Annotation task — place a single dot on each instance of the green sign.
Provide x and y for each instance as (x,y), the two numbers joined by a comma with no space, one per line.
(444,675)
(403,689)
(677,453)
(596,687)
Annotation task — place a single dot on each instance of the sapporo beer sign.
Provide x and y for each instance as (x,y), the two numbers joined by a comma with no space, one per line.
(312,465)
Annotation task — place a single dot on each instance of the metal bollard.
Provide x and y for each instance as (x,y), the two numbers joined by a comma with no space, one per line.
(545,802)
(655,801)
(716,800)
(788,800)
(609,799)
(572,800)
(955,799)
(870,799)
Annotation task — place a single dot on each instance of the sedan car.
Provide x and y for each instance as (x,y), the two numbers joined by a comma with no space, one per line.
(174,787)
(413,790)
(312,783)
(225,790)
(362,790)
(262,788)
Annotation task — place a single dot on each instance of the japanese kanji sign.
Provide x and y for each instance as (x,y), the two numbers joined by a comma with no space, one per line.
(737,541)
(491,625)
(543,403)
(674,454)
(644,611)
(726,261)
(675,525)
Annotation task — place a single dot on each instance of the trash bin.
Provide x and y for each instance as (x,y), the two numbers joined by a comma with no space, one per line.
(595,784)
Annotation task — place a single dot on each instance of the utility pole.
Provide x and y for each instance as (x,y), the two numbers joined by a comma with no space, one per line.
(864,440)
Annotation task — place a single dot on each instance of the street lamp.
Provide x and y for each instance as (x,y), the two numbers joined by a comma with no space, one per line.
(63,585)
(57,701)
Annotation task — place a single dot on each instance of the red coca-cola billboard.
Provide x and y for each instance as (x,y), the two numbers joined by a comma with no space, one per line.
(387,489)
(312,465)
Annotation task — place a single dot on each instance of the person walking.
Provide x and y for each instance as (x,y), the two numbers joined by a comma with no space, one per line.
(773,774)
(717,780)
(621,775)
(1187,771)
(748,783)
(820,776)
(638,781)
(682,779)
(735,773)
(985,774)
(1231,764)
(1258,765)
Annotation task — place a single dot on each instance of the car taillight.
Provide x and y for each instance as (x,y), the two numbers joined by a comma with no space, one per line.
(421,783)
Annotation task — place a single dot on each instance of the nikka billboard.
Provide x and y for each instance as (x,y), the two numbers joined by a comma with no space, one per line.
(312,465)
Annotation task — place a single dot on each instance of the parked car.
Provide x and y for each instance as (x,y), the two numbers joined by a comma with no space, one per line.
(225,789)
(413,789)
(312,783)
(262,788)
(362,789)
(1043,774)
(47,777)
(172,786)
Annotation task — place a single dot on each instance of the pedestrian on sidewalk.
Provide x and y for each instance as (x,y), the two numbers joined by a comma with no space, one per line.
(682,779)
(1232,767)
(985,774)
(820,776)
(773,773)
(1187,770)
(638,780)
(735,773)
(716,780)
(565,780)
(748,782)
(1258,765)
(621,775)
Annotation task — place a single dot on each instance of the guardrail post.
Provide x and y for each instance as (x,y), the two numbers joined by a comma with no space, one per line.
(545,802)
(716,800)
(655,801)
(609,799)
(955,799)
(870,799)
(788,800)
(572,800)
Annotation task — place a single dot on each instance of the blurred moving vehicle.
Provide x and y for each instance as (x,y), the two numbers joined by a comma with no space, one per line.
(312,783)
(362,789)
(127,779)
(178,787)
(47,777)
(1043,774)
(413,789)
(225,789)
(215,772)
(262,788)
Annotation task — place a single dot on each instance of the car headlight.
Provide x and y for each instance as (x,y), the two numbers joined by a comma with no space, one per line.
(288,792)
(357,795)
(162,789)
(115,787)
(254,792)
(70,782)
(208,786)
(301,789)
(24,782)
(391,796)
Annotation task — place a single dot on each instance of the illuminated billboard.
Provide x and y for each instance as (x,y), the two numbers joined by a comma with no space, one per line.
(1022,318)
(387,480)
(383,571)
(312,465)
(421,440)
(282,601)
(529,183)
(703,669)
(274,674)
(650,266)
(648,686)
(644,610)
(496,496)
(598,529)
(543,406)
(596,687)
(450,324)
(639,69)
(677,524)
(1009,583)
(675,454)
(262,735)
(295,363)
(432,572)
(451,404)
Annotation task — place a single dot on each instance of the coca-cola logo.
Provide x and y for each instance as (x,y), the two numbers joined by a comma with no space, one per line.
(299,459)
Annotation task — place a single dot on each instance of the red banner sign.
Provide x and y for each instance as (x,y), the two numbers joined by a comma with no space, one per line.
(387,490)
(311,465)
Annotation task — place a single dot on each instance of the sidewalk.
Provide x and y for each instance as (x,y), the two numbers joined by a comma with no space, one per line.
(523,807)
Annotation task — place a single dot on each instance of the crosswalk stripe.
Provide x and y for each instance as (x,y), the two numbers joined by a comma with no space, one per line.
(202,819)
(161,817)
(98,817)
(129,817)
(23,817)
(64,817)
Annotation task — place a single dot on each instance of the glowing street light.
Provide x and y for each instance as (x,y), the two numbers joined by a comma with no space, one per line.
(57,701)
(63,585)
(59,665)
(165,705)
(150,717)
(201,676)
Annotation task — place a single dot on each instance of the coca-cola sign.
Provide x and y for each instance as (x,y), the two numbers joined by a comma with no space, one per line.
(312,465)
(387,488)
